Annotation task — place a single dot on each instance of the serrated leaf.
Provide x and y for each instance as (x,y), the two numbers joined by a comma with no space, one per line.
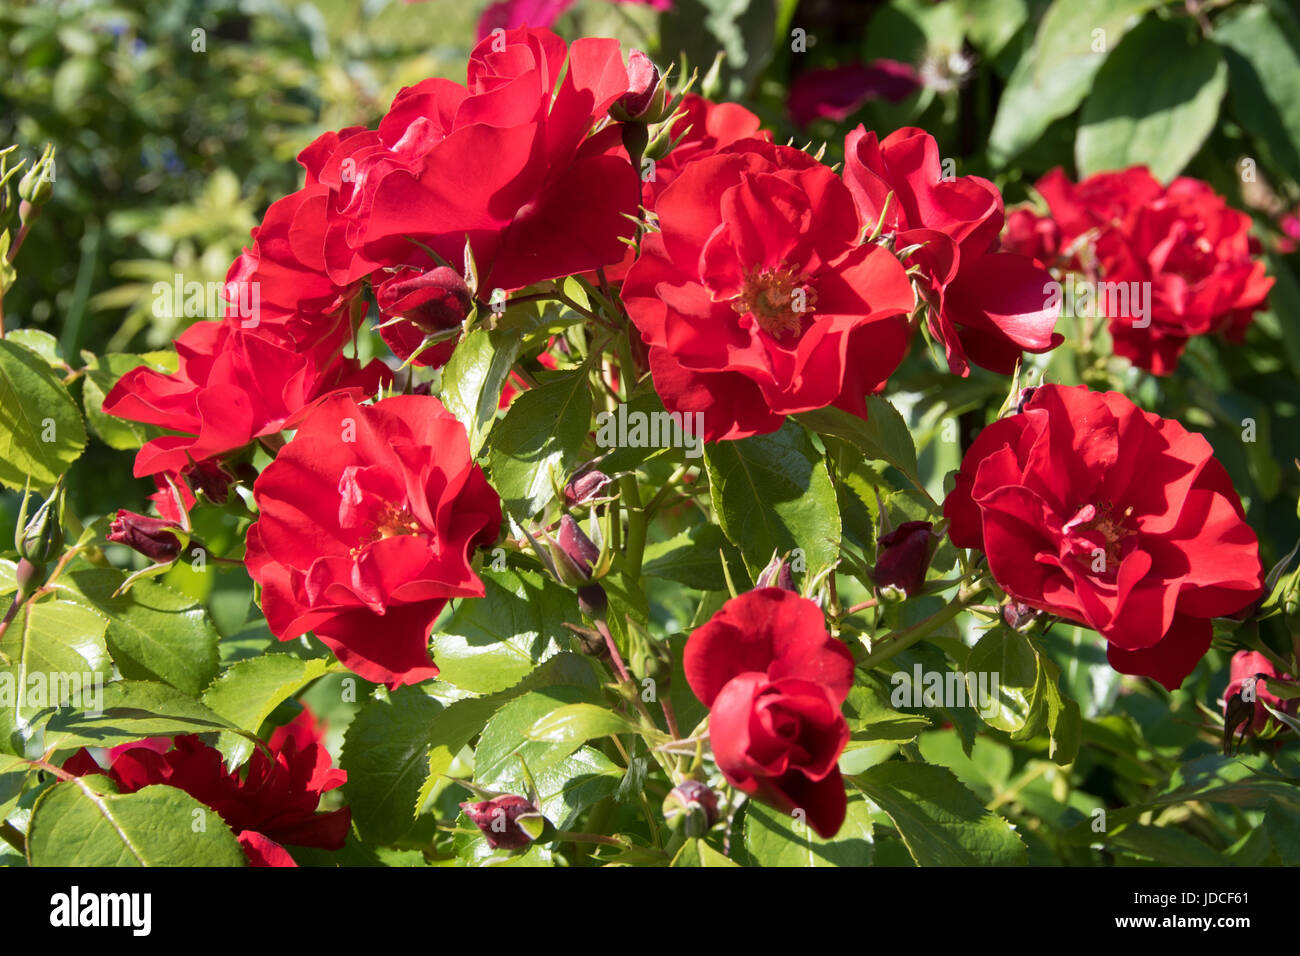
(473,378)
(41,431)
(154,631)
(49,641)
(505,738)
(882,436)
(941,822)
(578,723)
(772,493)
(493,642)
(131,710)
(152,827)
(248,691)
(538,441)
(774,838)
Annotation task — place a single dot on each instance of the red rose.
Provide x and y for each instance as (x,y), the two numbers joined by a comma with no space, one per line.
(1249,666)
(774,681)
(233,386)
(1183,243)
(367,522)
(1094,510)
(273,804)
(986,306)
(552,200)
(757,299)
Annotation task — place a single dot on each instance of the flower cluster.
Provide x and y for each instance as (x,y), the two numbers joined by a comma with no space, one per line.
(1193,251)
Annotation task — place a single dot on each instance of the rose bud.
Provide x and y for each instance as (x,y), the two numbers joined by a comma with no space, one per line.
(1246,694)
(210,478)
(584,486)
(692,806)
(436,300)
(1019,615)
(574,555)
(644,100)
(508,822)
(776,575)
(593,601)
(40,539)
(152,537)
(903,557)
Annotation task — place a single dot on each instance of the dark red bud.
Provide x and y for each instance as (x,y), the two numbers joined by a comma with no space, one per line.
(210,478)
(1018,615)
(694,804)
(434,301)
(903,556)
(497,819)
(642,84)
(585,486)
(580,549)
(152,537)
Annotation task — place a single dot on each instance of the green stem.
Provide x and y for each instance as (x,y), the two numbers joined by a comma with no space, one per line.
(634,548)
(901,640)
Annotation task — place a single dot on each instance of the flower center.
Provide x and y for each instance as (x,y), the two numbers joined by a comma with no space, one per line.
(1102,520)
(777,299)
(391,521)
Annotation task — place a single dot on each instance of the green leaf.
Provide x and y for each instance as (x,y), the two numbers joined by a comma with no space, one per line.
(473,378)
(1056,71)
(1166,846)
(1162,121)
(774,838)
(1263,55)
(249,690)
(42,343)
(154,632)
(941,822)
(772,493)
(48,643)
(13,777)
(41,432)
(1008,656)
(463,719)
(131,710)
(506,734)
(694,558)
(882,436)
(872,717)
(695,852)
(538,441)
(578,723)
(567,787)
(745,32)
(155,826)
(386,754)
(493,642)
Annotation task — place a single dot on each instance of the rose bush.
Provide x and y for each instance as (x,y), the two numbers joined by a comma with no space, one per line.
(570,470)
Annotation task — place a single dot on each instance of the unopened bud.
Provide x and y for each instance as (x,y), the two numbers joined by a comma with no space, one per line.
(574,554)
(152,537)
(775,575)
(40,539)
(691,806)
(508,822)
(584,486)
(645,97)
(37,185)
(435,301)
(210,478)
(903,557)
(1019,615)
